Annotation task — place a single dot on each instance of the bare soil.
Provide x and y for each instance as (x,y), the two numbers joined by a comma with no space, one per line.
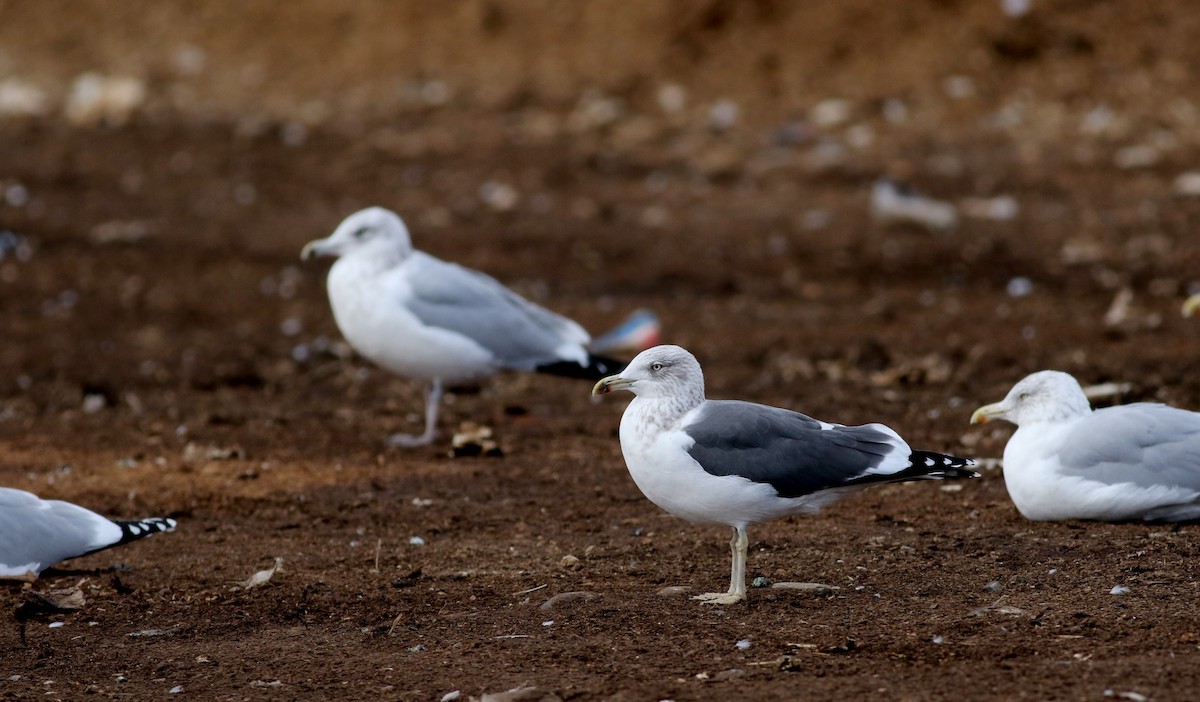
(164,352)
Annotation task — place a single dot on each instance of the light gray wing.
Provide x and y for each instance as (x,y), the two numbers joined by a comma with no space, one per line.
(35,534)
(795,454)
(1144,444)
(522,335)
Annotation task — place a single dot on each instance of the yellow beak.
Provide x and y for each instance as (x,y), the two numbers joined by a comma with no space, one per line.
(987,412)
(607,385)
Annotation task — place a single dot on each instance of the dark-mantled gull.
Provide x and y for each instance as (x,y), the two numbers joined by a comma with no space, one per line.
(739,463)
(1065,461)
(35,533)
(426,319)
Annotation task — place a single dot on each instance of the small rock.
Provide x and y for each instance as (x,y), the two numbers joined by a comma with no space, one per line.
(815,588)
(562,597)
(892,203)
(1120,590)
(830,113)
(729,674)
(673,590)
(1187,184)
(761,581)
(993,586)
(521,694)
(1019,286)
(570,562)
(743,645)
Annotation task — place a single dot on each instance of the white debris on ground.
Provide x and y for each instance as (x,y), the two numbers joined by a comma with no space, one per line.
(894,204)
(99,99)
(262,577)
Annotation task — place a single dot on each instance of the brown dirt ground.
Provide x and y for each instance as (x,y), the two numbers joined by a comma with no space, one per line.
(189,328)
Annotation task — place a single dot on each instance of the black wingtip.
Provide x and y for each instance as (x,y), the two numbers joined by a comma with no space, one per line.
(597,367)
(141,528)
(927,464)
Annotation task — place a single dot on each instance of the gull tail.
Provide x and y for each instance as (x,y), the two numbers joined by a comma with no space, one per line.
(141,528)
(597,367)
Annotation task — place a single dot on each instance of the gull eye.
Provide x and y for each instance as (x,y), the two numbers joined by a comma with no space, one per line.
(361,232)
(656,367)
(1023,396)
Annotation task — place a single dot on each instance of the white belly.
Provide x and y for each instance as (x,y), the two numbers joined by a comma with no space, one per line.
(388,335)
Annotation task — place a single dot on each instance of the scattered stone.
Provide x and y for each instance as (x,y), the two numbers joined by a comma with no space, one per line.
(814,588)
(761,581)
(120,232)
(1187,184)
(1120,590)
(501,197)
(1128,695)
(730,674)
(473,439)
(570,562)
(562,597)
(451,696)
(1136,156)
(993,586)
(19,98)
(521,694)
(673,590)
(193,453)
(1019,286)
(98,99)
(723,114)
(892,203)
(1000,208)
(1004,609)
(266,683)
(830,112)
(743,645)
(151,633)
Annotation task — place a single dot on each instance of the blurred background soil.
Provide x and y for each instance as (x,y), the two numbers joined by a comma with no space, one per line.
(163,350)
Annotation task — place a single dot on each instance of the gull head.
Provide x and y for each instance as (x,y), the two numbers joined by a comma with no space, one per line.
(375,230)
(1045,396)
(657,372)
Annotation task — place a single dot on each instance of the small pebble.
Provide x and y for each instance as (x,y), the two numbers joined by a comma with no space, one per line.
(761,581)
(743,645)
(1019,287)
(416,541)
(567,597)
(1119,590)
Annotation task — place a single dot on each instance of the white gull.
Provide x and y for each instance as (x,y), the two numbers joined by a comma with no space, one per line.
(1065,461)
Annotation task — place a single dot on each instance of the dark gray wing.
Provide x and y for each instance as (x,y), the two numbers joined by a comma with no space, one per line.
(1143,443)
(794,453)
(520,334)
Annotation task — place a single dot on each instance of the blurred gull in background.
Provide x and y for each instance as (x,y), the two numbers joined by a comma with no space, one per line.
(423,318)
